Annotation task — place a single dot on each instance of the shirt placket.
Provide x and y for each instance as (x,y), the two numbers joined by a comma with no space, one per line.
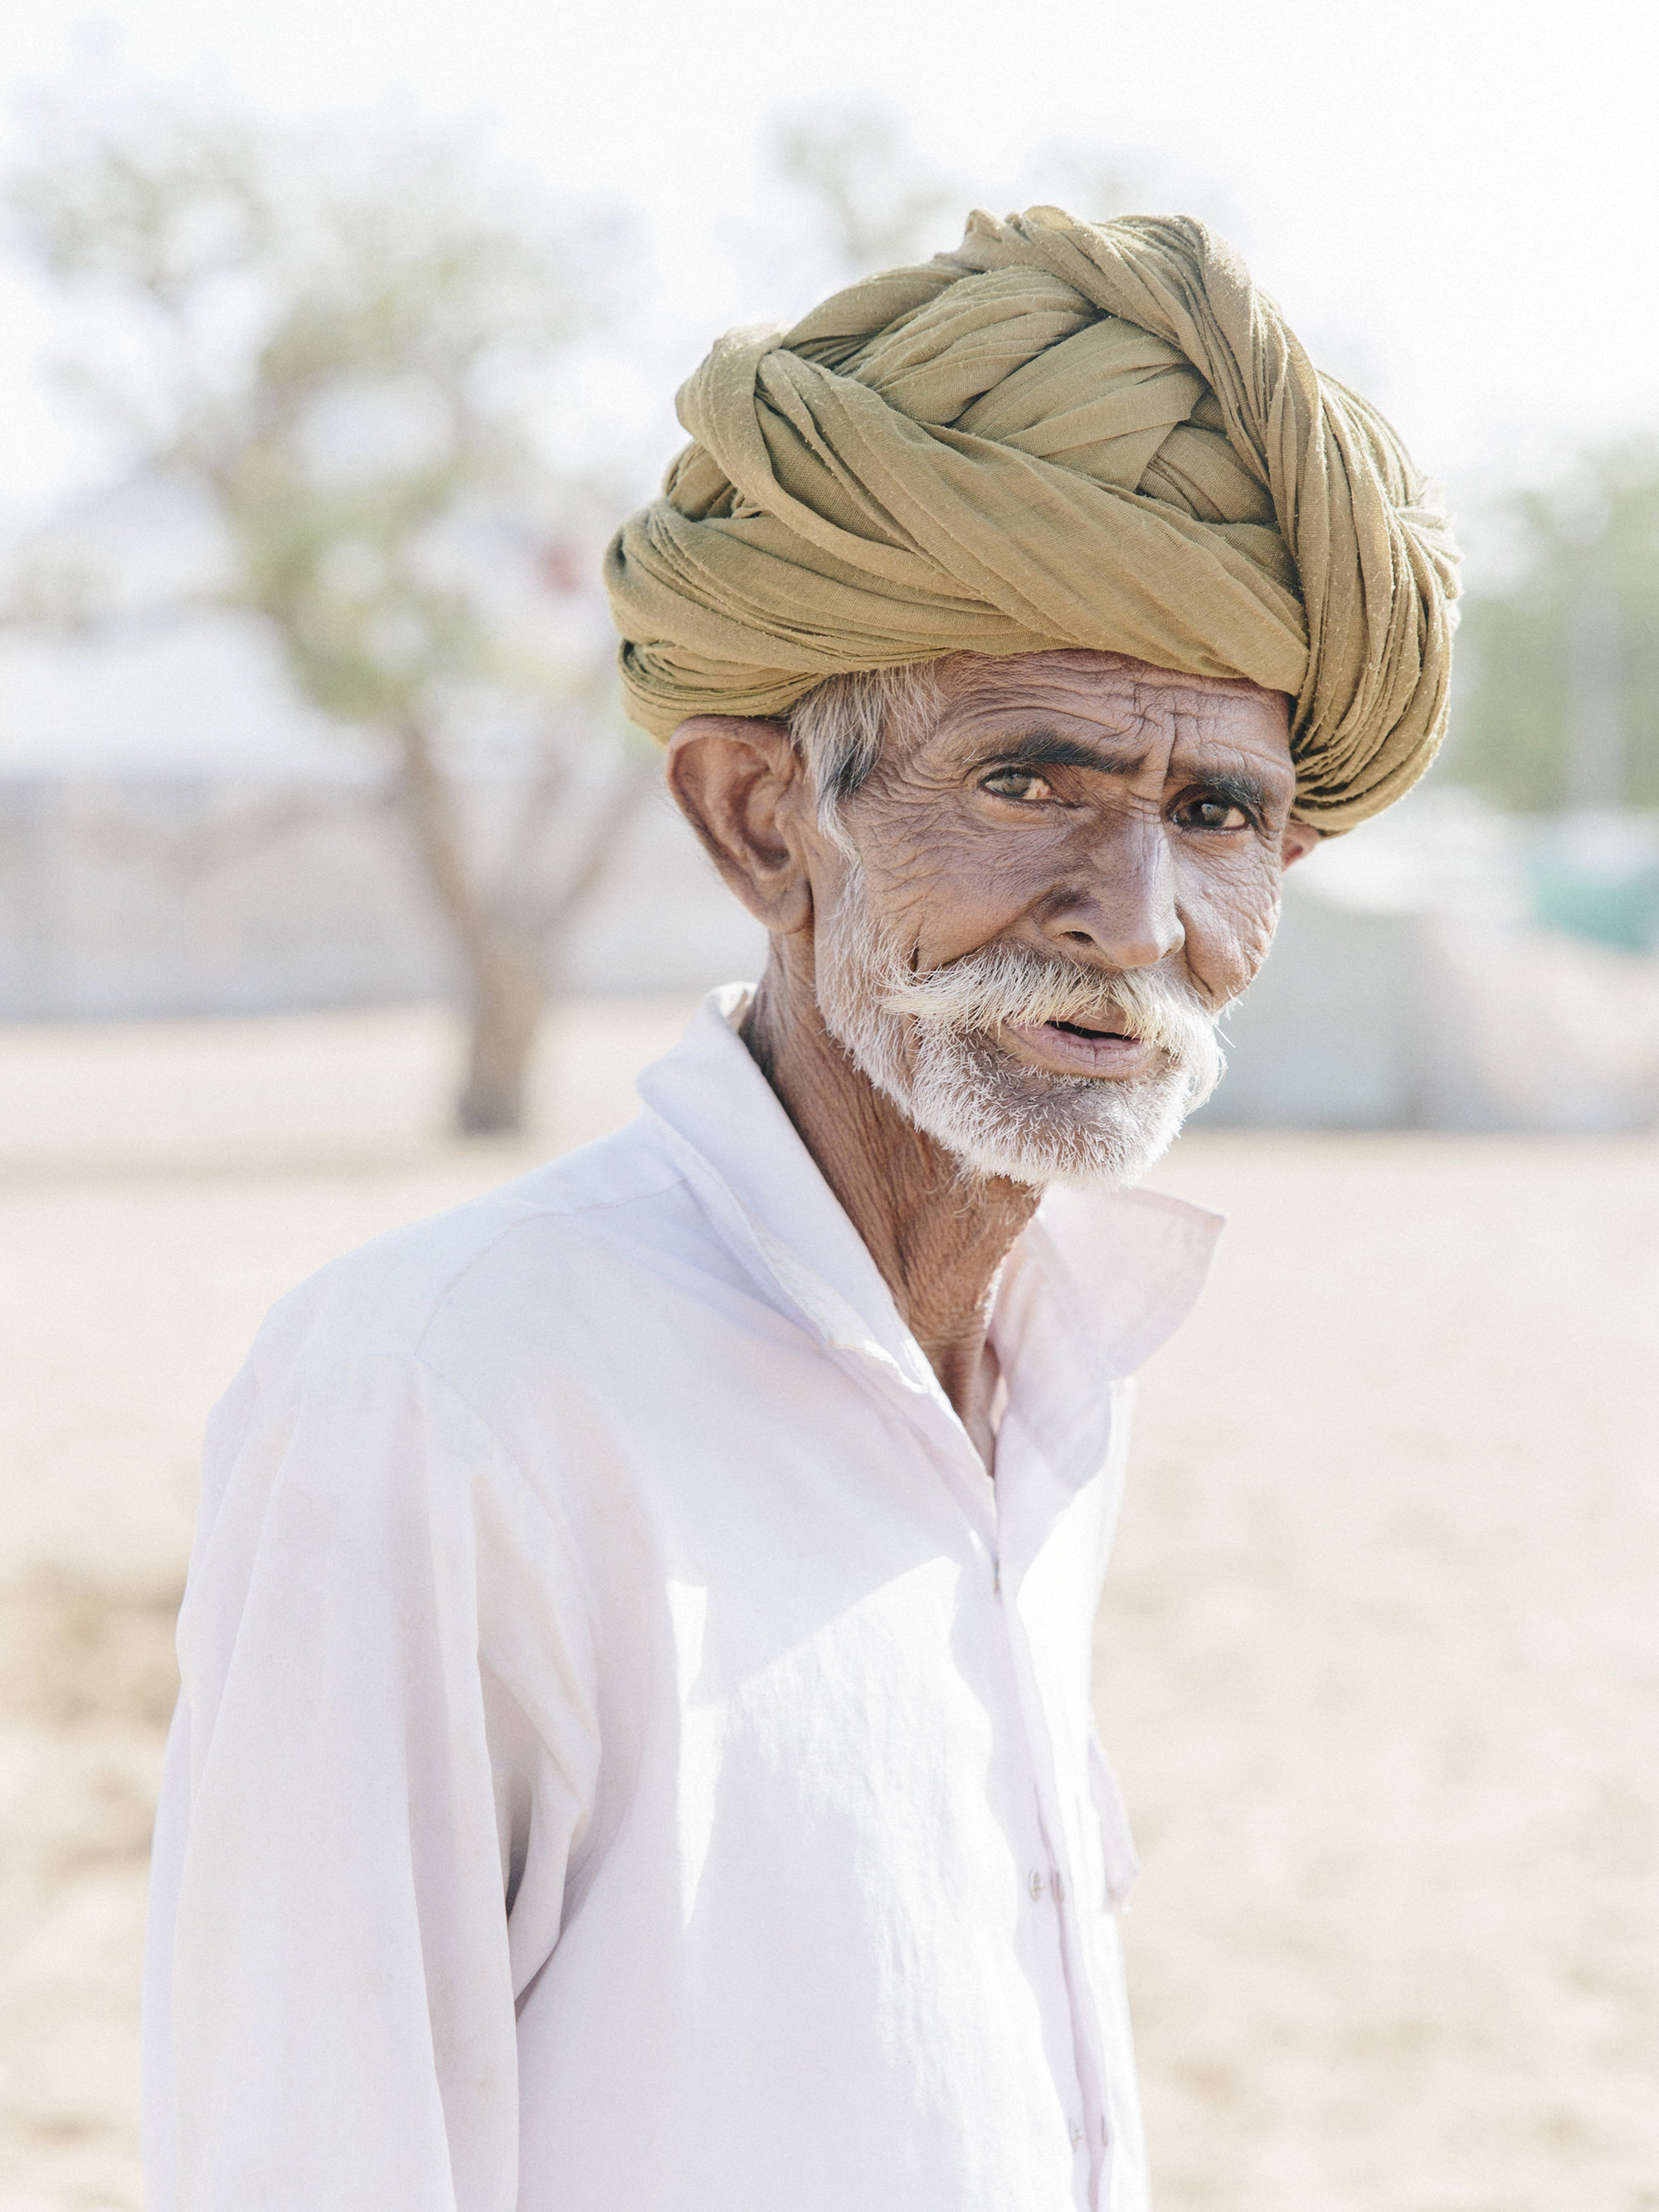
(1049,1883)
(1025,1520)
(901,1376)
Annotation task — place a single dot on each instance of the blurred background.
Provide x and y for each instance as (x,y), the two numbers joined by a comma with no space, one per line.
(334,888)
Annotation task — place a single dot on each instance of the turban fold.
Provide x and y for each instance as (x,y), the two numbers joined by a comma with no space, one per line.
(1063,435)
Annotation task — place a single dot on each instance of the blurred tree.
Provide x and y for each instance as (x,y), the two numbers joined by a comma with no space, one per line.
(868,202)
(867,199)
(342,375)
(1557,702)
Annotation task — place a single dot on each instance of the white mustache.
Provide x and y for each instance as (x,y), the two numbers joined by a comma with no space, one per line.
(1009,984)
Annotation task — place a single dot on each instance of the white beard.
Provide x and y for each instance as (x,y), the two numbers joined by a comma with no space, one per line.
(929,1042)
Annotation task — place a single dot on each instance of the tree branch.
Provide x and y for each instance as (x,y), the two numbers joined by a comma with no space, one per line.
(595,853)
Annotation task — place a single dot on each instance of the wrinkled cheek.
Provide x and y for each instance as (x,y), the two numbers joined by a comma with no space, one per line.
(1228,939)
(940,914)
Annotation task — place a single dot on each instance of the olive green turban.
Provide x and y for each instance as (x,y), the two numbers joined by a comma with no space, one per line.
(1065,434)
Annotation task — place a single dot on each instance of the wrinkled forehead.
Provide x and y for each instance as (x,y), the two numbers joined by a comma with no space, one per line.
(976,691)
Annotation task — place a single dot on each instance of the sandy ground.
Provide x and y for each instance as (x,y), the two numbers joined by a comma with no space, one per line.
(1379,1663)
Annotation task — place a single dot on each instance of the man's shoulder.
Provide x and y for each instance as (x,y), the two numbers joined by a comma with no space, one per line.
(522,1259)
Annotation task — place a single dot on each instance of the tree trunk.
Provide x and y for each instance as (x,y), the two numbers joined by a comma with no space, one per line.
(508,996)
(506,985)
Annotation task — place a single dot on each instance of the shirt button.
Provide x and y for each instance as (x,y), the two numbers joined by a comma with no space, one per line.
(1036,1884)
(1076,2136)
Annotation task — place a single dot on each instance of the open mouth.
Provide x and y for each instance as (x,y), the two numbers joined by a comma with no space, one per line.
(1082,1030)
(1081,1048)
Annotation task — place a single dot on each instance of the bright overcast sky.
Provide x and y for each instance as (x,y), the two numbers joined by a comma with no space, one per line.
(1453,202)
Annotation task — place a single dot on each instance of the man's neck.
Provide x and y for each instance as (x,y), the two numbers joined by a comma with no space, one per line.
(939,1240)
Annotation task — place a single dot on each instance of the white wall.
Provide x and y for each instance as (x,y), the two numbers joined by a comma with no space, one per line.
(182,895)
(1404,990)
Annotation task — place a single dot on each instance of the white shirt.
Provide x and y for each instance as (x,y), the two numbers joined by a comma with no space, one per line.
(630,1756)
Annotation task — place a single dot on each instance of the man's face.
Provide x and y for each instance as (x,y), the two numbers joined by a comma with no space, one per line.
(1058,885)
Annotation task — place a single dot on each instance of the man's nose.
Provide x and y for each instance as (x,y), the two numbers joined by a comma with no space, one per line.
(1118,900)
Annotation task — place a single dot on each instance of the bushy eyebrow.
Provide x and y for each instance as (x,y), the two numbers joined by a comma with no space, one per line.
(1048,749)
(1039,748)
(1242,791)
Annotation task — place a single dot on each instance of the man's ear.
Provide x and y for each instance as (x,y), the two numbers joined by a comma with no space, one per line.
(740,783)
(1299,839)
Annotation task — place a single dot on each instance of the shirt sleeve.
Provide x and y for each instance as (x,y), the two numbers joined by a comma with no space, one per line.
(383,1758)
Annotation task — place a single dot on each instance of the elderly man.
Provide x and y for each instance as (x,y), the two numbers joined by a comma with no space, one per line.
(634,1747)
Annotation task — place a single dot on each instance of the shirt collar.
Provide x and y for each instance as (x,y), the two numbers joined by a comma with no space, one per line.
(1095,1284)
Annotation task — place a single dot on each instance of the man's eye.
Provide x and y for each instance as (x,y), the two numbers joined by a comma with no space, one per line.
(1016,783)
(1212,814)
